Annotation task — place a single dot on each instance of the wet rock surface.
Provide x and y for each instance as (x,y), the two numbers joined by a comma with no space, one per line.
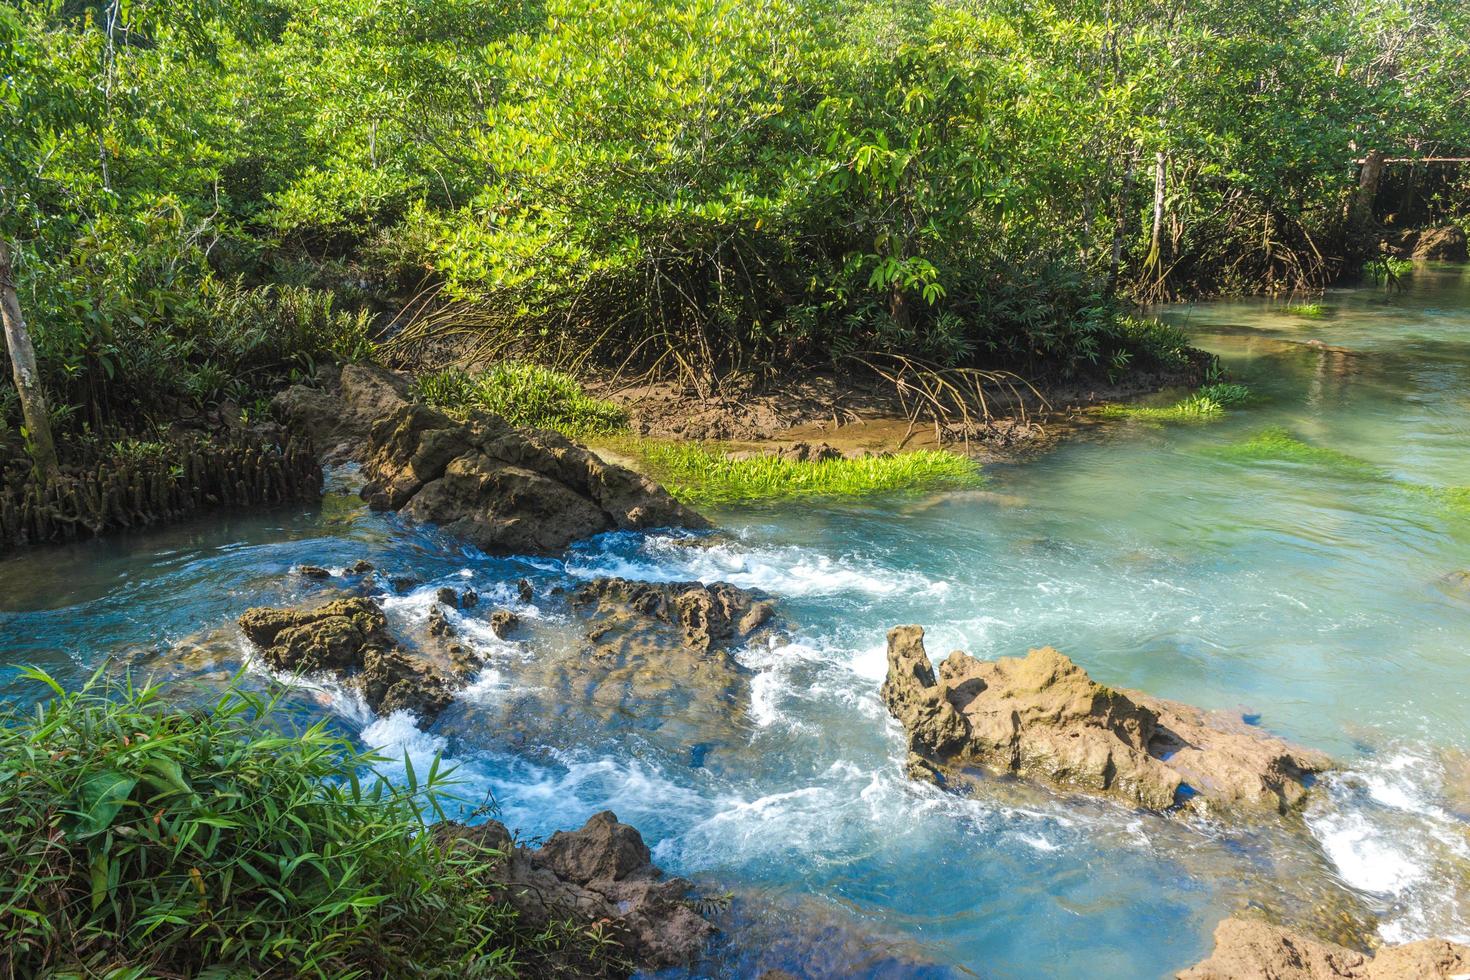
(602,874)
(1041,717)
(350,638)
(1249,949)
(659,656)
(507,490)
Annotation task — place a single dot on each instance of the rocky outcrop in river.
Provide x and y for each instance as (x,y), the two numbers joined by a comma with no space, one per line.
(349,638)
(506,489)
(601,876)
(1041,717)
(1249,949)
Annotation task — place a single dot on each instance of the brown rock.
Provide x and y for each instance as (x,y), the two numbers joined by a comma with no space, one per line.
(600,875)
(1249,949)
(1445,244)
(350,637)
(503,622)
(507,490)
(337,418)
(329,637)
(313,571)
(702,617)
(1041,717)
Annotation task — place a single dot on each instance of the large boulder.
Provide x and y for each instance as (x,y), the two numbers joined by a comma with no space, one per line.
(1249,949)
(1041,717)
(338,417)
(350,638)
(1445,244)
(599,877)
(507,490)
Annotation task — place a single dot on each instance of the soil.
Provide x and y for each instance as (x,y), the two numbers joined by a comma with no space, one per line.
(856,416)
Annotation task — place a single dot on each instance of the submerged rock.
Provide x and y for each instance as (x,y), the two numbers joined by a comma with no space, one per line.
(599,876)
(507,490)
(1249,949)
(349,637)
(1041,717)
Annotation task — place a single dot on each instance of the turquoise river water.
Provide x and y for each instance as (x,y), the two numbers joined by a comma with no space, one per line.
(1314,595)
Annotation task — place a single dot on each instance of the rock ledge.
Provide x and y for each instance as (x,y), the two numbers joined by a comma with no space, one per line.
(1248,949)
(1041,717)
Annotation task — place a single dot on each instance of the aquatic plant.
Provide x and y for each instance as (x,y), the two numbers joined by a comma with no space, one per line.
(147,841)
(1305,309)
(524,394)
(1207,403)
(1387,269)
(703,473)
(1278,444)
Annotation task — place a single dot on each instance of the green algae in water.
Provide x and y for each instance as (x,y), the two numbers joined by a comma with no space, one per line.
(1276,444)
(703,473)
(1305,309)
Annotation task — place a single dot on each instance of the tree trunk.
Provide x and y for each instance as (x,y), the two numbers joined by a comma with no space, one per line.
(23,367)
(1155,250)
(1367,188)
(1120,221)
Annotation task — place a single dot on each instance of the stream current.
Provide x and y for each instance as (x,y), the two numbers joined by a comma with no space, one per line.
(1314,594)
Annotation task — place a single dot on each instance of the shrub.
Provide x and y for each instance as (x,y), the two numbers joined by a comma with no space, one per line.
(143,841)
(523,394)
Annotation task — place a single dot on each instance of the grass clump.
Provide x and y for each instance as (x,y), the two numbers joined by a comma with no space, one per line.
(144,842)
(523,394)
(1209,402)
(701,473)
(1305,309)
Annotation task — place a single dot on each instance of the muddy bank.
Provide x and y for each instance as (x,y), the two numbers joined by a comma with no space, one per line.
(855,415)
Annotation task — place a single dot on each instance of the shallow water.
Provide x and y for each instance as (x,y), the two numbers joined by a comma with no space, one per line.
(1310,596)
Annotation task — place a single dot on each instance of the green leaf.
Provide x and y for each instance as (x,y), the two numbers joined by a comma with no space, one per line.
(102,796)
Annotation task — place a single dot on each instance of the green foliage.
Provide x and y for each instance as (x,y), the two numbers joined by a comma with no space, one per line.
(704,473)
(523,394)
(176,843)
(1209,402)
(1385,269)
(200,205)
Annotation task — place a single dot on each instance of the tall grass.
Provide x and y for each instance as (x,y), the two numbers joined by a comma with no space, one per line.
(144,842)
(523,394)
(701,473)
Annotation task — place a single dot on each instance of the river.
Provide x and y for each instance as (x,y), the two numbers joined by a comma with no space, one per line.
(1312,591)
